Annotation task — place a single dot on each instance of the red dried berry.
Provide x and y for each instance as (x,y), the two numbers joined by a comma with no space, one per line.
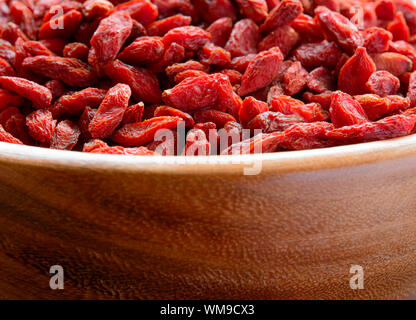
(133,113)
(76,50)
(161,27)
(110,112)
(196,144)
(243,39)
(399,28)
(318,54)
(61,27)
(140,133)
(41,125)
(256,10)
(376,40)
(339,28)
(7,137)
(261,71)
(346,111)
(70,71)
(143,11)
(395,63)
(39,95)
(65,136)
(76,102)
(94,9)
(189,37)
(143,83)
(211,91)
(284,13)
(383,83)
(220,31)
(110,36)
(169,111)
(387,128)
(211,10)
(385,9)
(284,37)
(295,78)
(143,50)
(355,73)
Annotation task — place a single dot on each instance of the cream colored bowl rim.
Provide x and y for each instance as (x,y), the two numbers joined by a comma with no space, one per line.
(305,160)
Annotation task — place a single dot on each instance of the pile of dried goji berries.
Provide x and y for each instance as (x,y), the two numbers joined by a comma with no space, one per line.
(206,76)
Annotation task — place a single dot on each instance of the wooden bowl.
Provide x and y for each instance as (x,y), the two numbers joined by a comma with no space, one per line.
(198,228)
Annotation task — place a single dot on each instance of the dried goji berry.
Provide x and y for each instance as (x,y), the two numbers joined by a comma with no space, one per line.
(295,78)
(308,112)
(161,27)
(94,144)
(23,17)
(320,80)
(254,9)
(189,37)
(9,99)
(84,122)
(39,95)
(71,71)
(41,125)
(284,37)
(307,28)
(188,74)
(196,144)
(318,54)
(143,83)
(94,9)
(261,143)
(243,39)
(139,133)
(143,50)
(376,40)
(7,137)
(261,71)
(387,128)
(110,36)
(213,91)
(65,135)
(345,111)
(284,13)
(399,28)
(385,9)
(143,11)
(215,116)
(339,28)
(133,113)
(140,151)
(211,10)
(392,62)
(169,111)
(61,27)
(271,121)
(211,54)
(76,50)
(76,102)
(374,106)
(110,112)
(383,83)
(6,69)
(355,73)
(220,31)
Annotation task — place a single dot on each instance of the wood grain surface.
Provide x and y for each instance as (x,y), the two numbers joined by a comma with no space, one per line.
(126,228)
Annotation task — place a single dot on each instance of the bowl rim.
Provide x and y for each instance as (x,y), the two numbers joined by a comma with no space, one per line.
(287,161)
